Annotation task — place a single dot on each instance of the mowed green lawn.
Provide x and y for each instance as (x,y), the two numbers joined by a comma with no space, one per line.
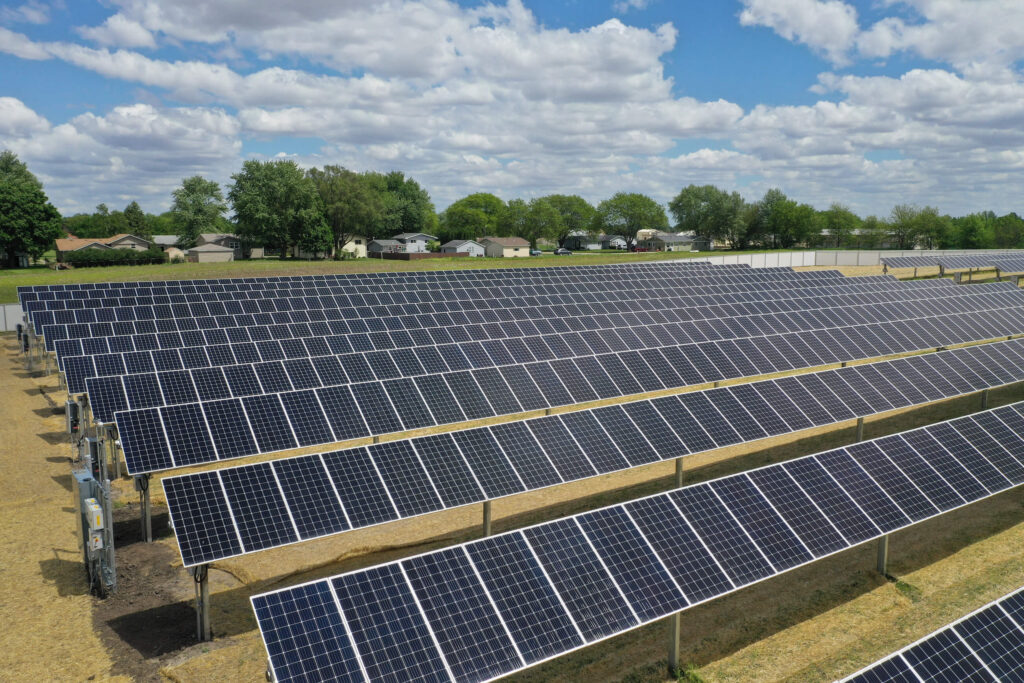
(10,280)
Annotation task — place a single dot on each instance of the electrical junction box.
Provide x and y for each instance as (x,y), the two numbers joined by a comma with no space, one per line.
(96,541)
(94,516)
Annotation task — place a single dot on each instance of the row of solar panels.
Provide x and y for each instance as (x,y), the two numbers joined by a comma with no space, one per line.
(245,509)
(487,608)
(456,288)
(986,645)
(168,351)
(1010,265)
(368,320)
(427,276)
(402,304)
(159,438)
(413,315)
(987,260)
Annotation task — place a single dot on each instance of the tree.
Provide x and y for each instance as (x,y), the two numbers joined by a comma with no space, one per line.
(135,220)
(29,223)
(351,204)
(933,230)
(693,208)
(410,204)
(575,212)
(198,207)
(841,224)
(275,205)
(626,213)
(512,222)
(904,226)
(1008,232)
(543,221)
(974,231)
(471,217)
(783,223)
(873,233)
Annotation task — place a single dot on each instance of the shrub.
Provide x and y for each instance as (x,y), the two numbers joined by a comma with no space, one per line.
(114,257)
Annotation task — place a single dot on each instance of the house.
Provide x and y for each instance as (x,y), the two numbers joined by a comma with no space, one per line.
(385,247)
(505,247)
(471,247)
(581,241)
(356,246)
(415,242)
(122,241)
(612,242)
(164,241)
(174,253)
(209,253)
(227,239)
(667,242)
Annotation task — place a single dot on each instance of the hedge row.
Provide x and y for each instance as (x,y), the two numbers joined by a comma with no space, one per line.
(113,257)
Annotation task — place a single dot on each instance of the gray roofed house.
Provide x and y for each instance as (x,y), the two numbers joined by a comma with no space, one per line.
(165,240)
(385,246)
(667,242)
(206,253)
(415,242)
(471,247)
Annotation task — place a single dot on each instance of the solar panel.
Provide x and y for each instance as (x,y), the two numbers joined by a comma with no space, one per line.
(558,586)
(426,474)
(987,644)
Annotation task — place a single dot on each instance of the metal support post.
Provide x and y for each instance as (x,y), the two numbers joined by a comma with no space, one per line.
(860,429)
(142,486)
(376,439)
(487,518)
(716,384)
(984,399)
(675,630)
(883,555)
(679,473)
(843,364)
(970,274)
(201,578)
(915,273)
(547,411)
(110,432)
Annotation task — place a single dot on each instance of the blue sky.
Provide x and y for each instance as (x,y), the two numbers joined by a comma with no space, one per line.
(866,103)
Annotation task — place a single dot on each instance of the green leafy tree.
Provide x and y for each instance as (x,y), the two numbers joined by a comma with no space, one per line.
(410,204)
(575,212)
(135,220)
(709,212)
(275,205)
(471,217)
(626,213)
(1008,232)
(975,231)
(841,224)
(904,226)
(874,232)
(29,223)
(352,204)
(198,206)
(512,222)
(543,221)
(783,223)
(933,230)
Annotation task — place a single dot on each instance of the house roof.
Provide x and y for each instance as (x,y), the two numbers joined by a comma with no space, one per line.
(506,241)
(456,243)
(74,244)
(411,235)
(605,238)
(385,242)
(214,236)
(672,238)
(211,248)
(165,240)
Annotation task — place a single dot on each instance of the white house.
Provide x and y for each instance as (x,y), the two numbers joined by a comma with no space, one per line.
(612,241)
(356,246)
(385,247)
(471,247)
(415,242)
(505,247)
(210,253)
(667,242)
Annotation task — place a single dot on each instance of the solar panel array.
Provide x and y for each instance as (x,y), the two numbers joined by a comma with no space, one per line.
(227,346)
(910,261)
(968,261)
(244,509)
(191,432)
(986,645)
(396,307)
(1008,265)
(484,609)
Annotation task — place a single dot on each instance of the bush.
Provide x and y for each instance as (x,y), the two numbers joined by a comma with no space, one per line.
(114,257)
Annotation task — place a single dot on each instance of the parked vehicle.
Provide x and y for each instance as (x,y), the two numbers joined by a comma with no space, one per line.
(536,252)
(561,251)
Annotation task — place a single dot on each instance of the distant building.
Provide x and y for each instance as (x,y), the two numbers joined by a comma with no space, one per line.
(471,247)
(122,241)
(356,246)
(582,241)
(415,242)
(667,242)
(612,242)
(210,253)
(385,247)
(505,247)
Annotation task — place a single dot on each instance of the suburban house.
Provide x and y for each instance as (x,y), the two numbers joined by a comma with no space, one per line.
(415,242)
(582,241)
(471,247)
(612,241)
(209,253)
(385,247)
(666,242)
(356,246)
(505,247)
(122,241)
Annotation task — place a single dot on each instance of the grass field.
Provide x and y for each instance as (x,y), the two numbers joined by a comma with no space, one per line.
(10,280)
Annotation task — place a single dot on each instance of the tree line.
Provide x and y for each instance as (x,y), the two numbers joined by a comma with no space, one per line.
(280,206)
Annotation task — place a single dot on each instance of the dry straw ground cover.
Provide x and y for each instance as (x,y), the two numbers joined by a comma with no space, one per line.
(813,624)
